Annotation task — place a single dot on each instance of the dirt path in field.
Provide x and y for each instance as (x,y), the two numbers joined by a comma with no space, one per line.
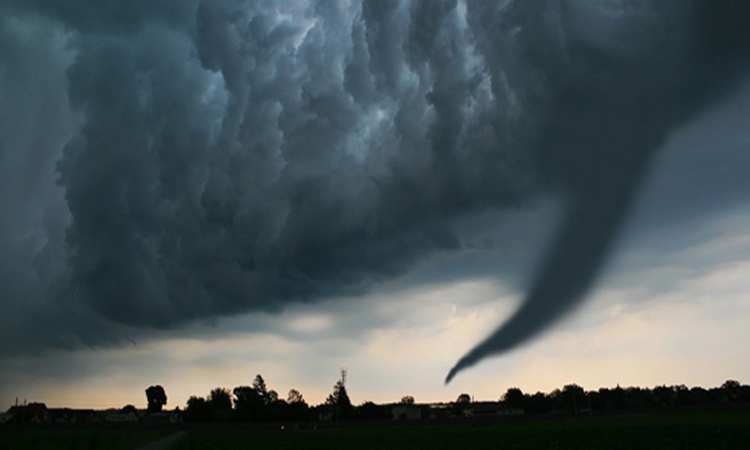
(163,443)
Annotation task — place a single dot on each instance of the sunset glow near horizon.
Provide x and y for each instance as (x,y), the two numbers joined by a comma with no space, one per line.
(197,194)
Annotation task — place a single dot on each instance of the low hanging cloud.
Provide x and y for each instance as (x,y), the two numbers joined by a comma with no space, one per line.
(216,157)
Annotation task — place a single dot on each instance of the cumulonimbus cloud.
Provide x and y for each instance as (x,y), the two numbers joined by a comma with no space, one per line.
(225,156)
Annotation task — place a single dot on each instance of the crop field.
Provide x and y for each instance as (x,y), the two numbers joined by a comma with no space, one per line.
(700,430)
(78,439)
(715,430)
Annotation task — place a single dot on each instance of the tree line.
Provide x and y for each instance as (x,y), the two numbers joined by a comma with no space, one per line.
(573,398)
(258,403)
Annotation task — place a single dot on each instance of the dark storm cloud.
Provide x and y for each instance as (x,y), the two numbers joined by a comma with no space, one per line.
(231,156)
(611,108)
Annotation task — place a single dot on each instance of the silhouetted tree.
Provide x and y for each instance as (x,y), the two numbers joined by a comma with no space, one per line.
(613,399)
(407,400)
(259,385)
(294,396)
(278,410)
(198,409)
(572,398)
(555,399)
(248,404)
(663,396)
(682,396)
(716,396)
(220,399)
(259,403)
(538,403)
(127,409)
(156,398)
(636,397)
(514,398)
(698,395)
(743,393)
(296,406)
(339,401)
(731,389)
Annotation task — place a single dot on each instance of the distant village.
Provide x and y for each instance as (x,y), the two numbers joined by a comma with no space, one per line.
(258,404)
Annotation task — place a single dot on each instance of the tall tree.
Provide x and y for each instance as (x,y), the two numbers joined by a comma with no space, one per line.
(198,409)
(340,402)
(663,396)
(156,398)
(538,403)
(248,404)
(513,398)
(294,396)
(297,406)
(220,399)
(259,385)
(731,389)
(573,398)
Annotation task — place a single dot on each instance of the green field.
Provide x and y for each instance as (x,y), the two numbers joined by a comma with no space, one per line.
(716,430)
(78,439)
(706,430)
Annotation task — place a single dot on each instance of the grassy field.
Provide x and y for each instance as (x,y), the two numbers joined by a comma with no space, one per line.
(715,430)
(78,439)
(707,430)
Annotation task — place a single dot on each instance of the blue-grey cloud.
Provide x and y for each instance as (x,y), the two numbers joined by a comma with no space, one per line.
(612,108)
(225,156)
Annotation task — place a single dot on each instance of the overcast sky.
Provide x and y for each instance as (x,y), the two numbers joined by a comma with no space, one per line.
(516,193)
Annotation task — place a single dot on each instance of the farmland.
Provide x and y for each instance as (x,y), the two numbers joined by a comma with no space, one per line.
(716,430)
(677,430)
(121,438)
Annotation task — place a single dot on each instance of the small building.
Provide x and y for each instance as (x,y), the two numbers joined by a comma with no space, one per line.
(68,415)
(31,413)
(482,409)
(491,409)
(406,412)
(439,411)
(117,416)
(60,415)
